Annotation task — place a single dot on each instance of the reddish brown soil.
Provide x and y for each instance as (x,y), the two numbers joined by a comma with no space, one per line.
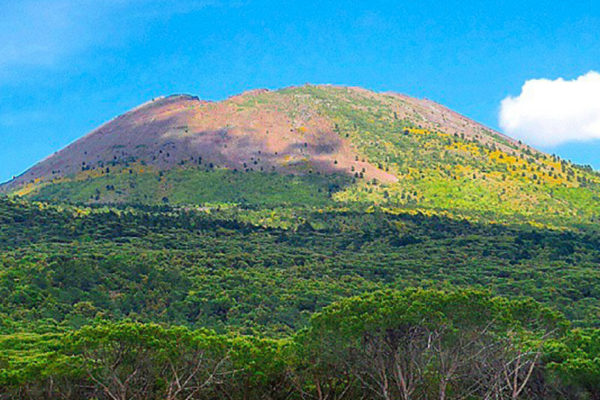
(180,129)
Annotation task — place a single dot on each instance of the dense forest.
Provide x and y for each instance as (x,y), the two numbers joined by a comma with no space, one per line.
(295,302)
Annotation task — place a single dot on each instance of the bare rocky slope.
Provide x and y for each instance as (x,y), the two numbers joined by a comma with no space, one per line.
(242,132)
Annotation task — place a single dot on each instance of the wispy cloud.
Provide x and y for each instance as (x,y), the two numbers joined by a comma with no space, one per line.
(45,33)
(552,112)
(34,33)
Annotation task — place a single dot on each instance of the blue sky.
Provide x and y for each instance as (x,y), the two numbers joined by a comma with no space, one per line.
(68,66)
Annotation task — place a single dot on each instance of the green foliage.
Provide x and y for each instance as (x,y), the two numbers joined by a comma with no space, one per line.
(575,360)
(445,344)
(433,344)
(255,270)
(459,311)
(195,186)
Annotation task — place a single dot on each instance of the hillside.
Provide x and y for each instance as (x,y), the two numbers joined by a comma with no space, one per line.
(312,145)
(97,301)
(307,243)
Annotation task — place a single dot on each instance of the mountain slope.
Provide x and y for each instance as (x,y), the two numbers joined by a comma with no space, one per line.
(179,130)
(247,219)
(330,144)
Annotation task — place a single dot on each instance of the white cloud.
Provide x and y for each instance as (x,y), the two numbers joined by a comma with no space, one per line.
(552,112)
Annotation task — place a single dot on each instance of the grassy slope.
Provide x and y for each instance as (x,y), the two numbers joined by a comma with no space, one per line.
(442,171)
(196,186)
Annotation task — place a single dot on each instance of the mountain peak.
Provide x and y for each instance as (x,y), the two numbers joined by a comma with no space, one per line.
(386,147)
